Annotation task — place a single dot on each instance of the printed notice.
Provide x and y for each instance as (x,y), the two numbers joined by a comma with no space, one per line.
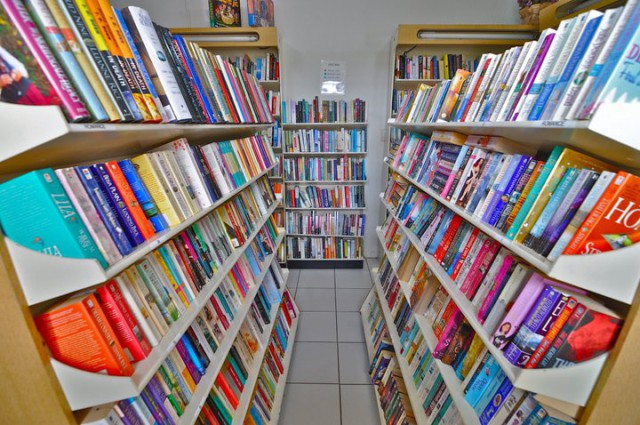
(332,76)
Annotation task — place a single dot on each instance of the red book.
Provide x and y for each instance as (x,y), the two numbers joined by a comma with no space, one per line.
(465,253)
(447,238)
(208,414)
(221,315)
(224,386)
(234,377)
(130,199)
(276,358)
(227,96)
(78,334)
(114,289)
(479,268)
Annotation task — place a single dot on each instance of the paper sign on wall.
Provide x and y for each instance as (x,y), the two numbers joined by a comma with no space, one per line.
(333,75)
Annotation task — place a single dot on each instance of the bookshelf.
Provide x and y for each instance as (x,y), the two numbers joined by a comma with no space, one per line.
(601,384)
(40,389)
(255,42)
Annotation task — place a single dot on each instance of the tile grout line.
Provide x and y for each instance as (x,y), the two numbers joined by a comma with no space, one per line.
(335,298)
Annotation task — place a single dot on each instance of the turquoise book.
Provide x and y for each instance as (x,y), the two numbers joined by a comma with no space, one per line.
(36,212)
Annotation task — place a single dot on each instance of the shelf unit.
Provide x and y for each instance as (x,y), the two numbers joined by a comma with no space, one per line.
(259,41)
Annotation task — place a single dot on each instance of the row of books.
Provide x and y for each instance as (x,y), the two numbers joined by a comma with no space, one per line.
(564,75)
(343,140)
(398,97)
(423,67)
(276,135)
(345,168)
(166,397)
(493,278)
(274,101)
(326,111)
(105,210)
(434,395)
(105,330)
(386,376)
(325,223)
(264,68)
(273,368)
(485,386)
(568,203)
(222,404)
(122,68)
(343,196)
(323,247)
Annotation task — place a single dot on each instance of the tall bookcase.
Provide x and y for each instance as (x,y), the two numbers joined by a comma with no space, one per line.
(39,389)
(254,42)
(604,386)
(290,185)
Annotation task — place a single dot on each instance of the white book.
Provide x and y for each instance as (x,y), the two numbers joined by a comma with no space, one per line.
(216,169)
(504,167)
(102,415)
(588,59)
(504,92)
(514,90)
(486,81)
(621,23)
(466,100)
(183,184)
(141,25)
(510,291)
(545,70)
(556,72)
(169,184)
(139,311)
(501,77)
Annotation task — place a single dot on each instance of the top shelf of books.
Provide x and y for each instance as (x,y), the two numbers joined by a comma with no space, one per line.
(609,134)
(457,35)
(40,136)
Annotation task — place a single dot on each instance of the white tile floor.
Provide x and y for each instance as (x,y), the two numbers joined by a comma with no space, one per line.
(328,383)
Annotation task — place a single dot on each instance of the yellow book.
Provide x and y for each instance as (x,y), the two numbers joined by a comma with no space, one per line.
(174,283)
(152,182)
(167,179)
(447,74)
(104,96)
(568,159)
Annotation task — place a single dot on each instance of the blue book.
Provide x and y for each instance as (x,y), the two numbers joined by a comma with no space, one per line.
(500,188)
(496,401)
(106,212)
(442,229)
(478,386)
(503,200)
(195,78)
(36,212)
(117,204)
(440,100)
(495,161)
(536,417)
(256,415)
(567,74)
(489,391)
(193,355)
(143,196)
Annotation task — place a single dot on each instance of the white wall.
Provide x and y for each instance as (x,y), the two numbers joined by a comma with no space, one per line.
(356,31)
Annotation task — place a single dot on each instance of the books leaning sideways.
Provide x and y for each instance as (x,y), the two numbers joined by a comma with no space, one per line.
(105,211)
(555,203)
(566,74)
(101,64)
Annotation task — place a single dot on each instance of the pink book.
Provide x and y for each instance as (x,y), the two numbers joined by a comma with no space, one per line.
(514,318)
(71,102)
(481,270)
(493,292)
(448,333)
(475,270)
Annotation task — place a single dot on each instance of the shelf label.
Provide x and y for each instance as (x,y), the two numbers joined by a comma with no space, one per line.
(553,123)
(94,126)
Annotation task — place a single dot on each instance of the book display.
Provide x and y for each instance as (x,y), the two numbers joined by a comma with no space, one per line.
(508,241)
(139,260)
(255,51)
(325,148)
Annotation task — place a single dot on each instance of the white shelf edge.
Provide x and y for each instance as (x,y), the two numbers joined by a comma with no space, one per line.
(326,182)
(327,209)
(583,271)
(326,259)
(203,388)
(303,235)
(573,384)
(294,154)
(51,278)
(449,377)
(296,125)
(81,387)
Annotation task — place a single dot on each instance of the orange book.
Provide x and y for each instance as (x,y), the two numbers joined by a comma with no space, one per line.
(78,334)
(130,199)
(127,54)
(614,223)
(115,50)
(224,386)
(452,94)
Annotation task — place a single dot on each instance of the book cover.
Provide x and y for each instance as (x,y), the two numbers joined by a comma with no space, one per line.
(451,97)
(225,13)
(260,13)
(153,184)
(487,373)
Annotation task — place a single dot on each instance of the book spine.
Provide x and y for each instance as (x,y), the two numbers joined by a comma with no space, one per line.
(73,105)
(554,330)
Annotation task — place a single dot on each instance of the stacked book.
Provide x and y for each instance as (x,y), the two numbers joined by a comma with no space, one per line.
(343,196)
(324,169)
(264,68)
(105,210)
(564,75)
(102,64)
(323,247)
(384,371)
(421,67)
(273,367)
(326,111)
(335,223)
(325,141)
(566,203)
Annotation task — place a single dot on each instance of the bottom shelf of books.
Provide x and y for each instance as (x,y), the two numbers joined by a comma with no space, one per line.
(324,252)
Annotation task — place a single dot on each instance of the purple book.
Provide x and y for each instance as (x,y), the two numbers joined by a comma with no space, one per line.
(159,396)
(130,417)
(531,76)
(193,371)
(155,409)
(447,334)
(514,318)
(536,326)
(502,197)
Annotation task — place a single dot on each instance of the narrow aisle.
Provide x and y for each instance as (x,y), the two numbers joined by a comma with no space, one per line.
(328,383)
